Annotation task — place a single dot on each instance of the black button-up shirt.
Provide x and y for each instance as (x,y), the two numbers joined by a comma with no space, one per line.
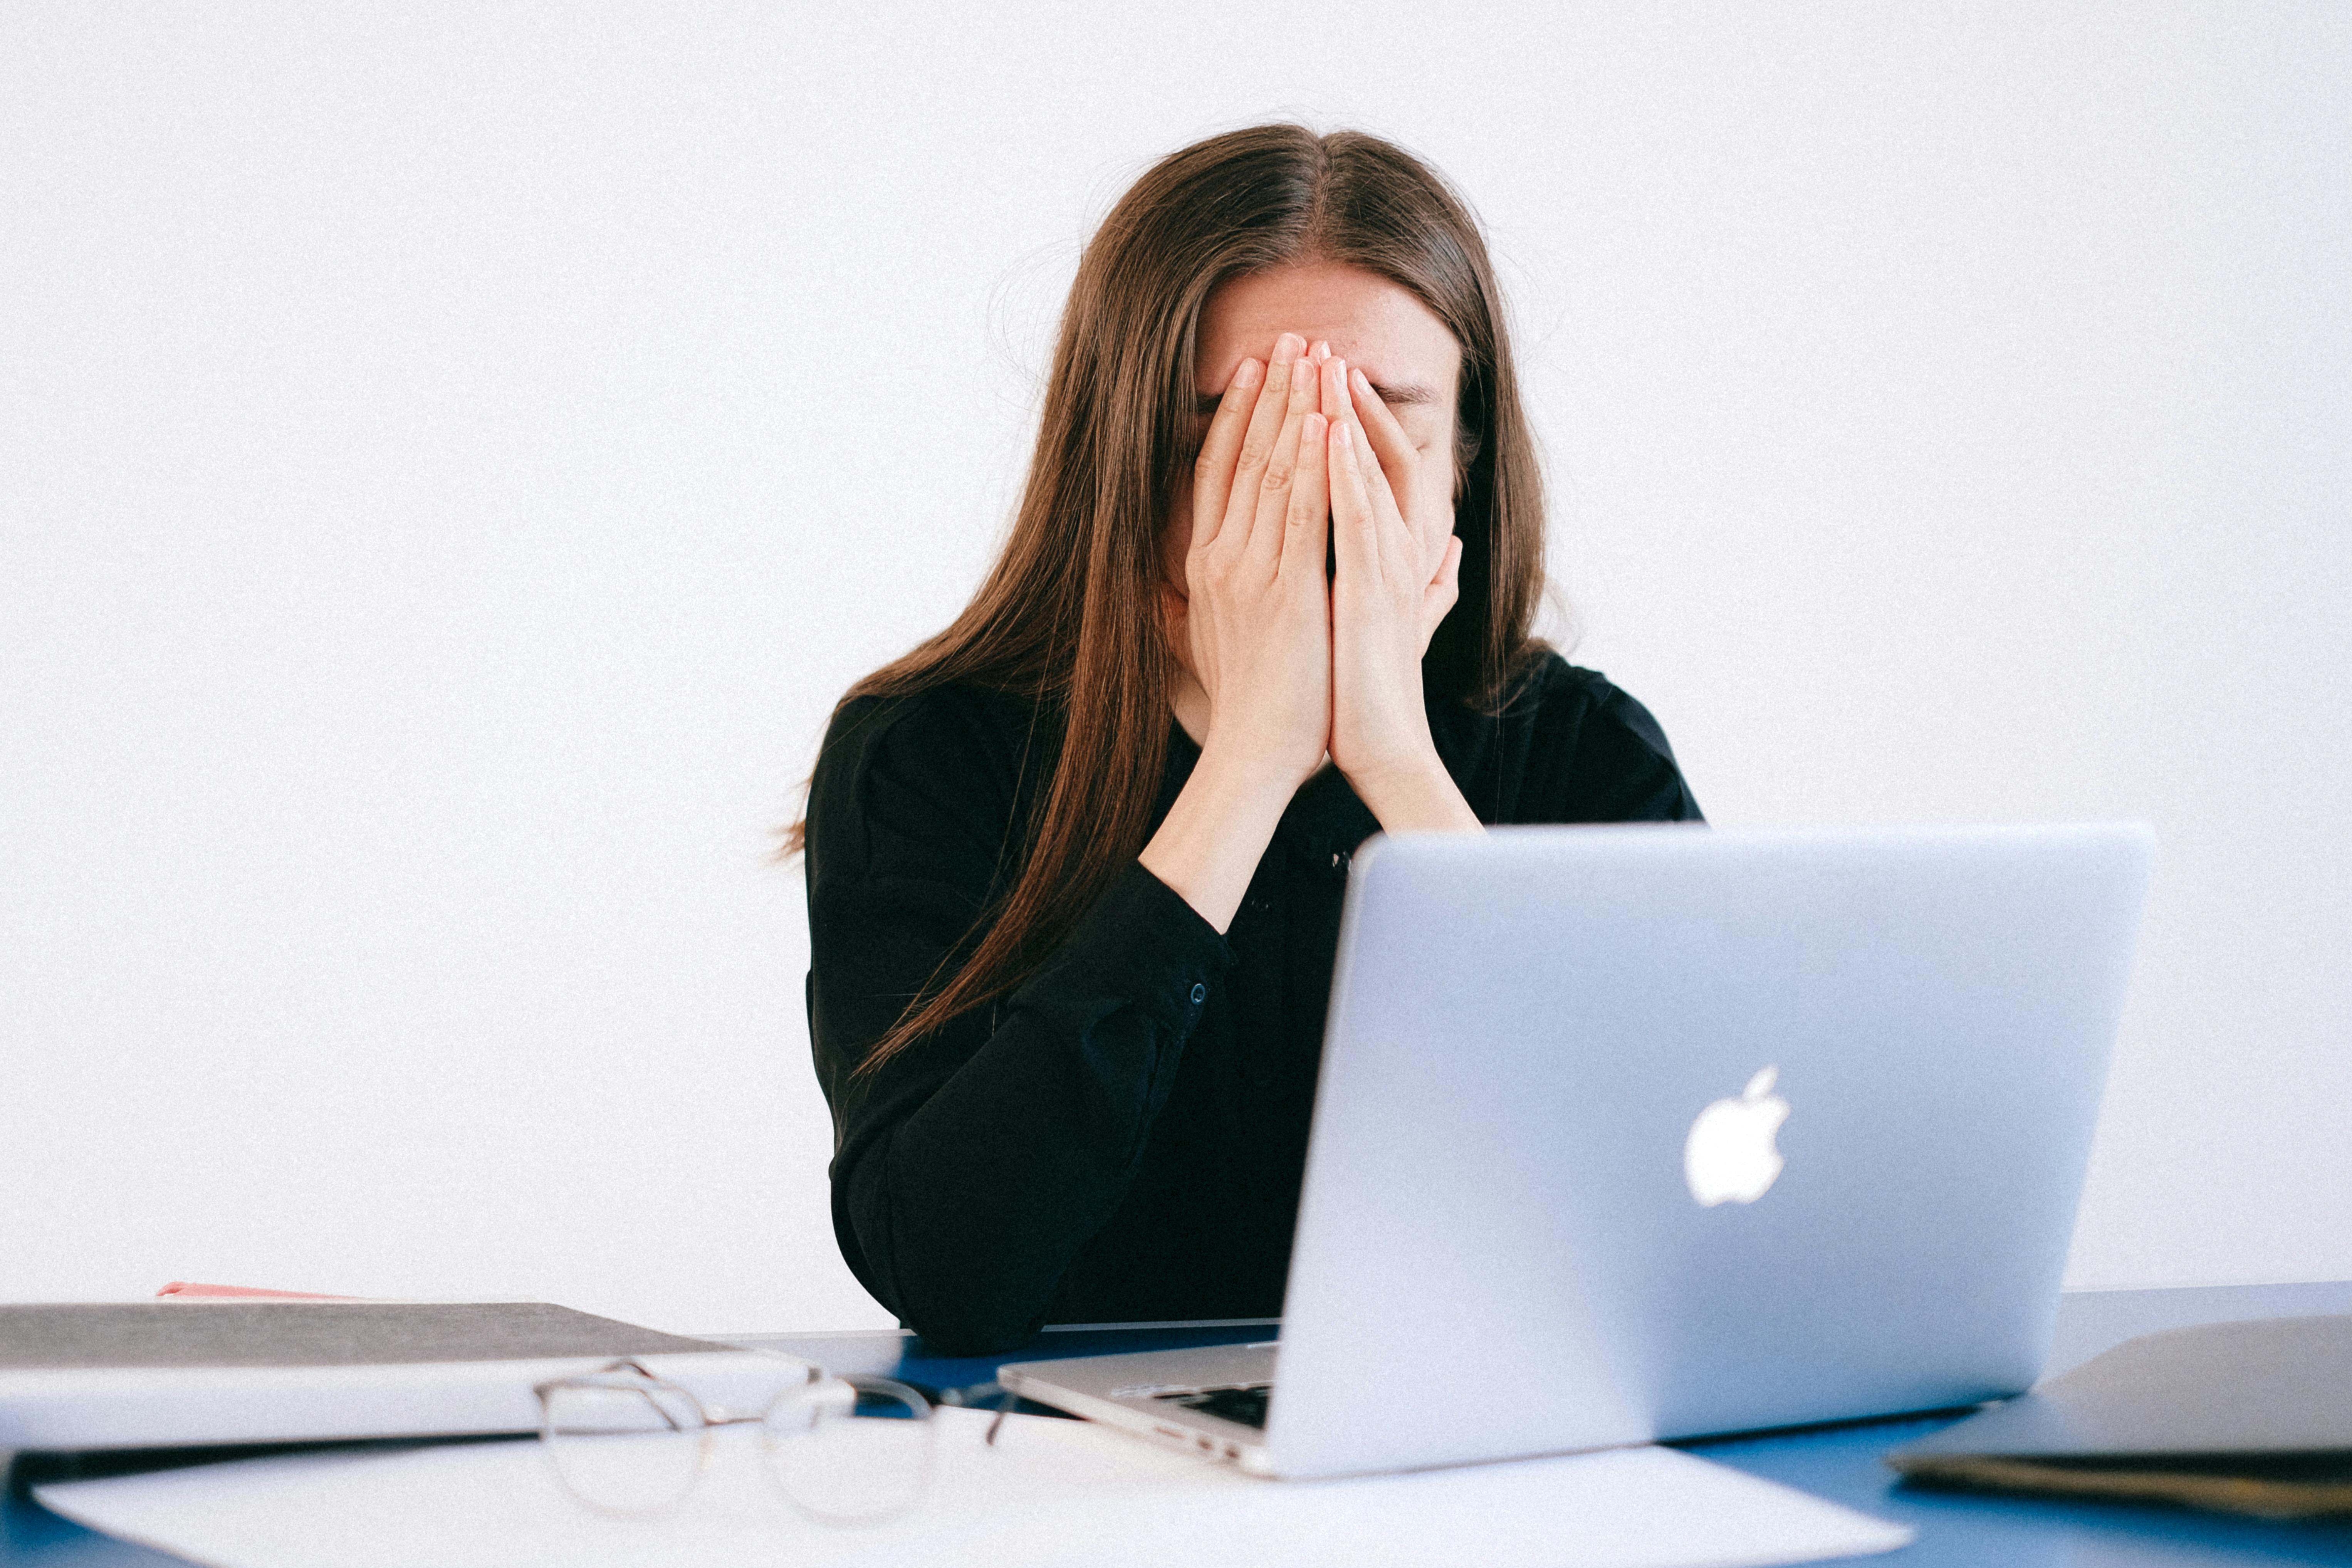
(1121,1138)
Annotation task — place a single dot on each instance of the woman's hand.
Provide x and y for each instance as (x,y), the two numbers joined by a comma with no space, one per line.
(1397,577)
(1257,616)
(1257,629)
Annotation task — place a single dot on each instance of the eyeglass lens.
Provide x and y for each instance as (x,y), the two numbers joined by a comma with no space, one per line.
(850,1450)
(624,1449)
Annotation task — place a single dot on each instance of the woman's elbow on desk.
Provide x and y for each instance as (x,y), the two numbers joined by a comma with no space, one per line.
(955,1329)
(959,1304)
(957,1315)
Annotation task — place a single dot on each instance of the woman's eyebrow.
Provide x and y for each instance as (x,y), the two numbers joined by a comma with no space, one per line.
(1410,394)
(1407,394)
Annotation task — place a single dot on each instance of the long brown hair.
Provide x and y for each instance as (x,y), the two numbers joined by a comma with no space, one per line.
(1069,615)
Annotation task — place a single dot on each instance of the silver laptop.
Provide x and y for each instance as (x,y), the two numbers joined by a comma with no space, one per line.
(1630,1133)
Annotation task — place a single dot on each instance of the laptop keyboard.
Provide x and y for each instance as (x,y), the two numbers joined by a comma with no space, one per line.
(1242,1402)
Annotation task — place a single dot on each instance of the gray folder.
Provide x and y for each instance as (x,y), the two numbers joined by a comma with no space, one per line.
(313,1333)
(150,1374)
(2250,1417)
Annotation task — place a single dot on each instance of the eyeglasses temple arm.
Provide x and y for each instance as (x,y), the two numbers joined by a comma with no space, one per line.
(1003,1408)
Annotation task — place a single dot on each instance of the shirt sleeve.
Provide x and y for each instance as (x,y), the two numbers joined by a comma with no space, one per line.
(970,1168)
(1601,757)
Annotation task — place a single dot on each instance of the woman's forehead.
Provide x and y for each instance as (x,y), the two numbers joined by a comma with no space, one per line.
(1397,341)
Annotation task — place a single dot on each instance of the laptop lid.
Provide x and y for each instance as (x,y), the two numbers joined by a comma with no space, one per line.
(1636,1132)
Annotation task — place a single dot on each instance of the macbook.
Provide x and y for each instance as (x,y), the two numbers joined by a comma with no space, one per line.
(1638,1133)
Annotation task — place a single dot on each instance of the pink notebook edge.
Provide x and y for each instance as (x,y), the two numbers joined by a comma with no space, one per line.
(188,1288)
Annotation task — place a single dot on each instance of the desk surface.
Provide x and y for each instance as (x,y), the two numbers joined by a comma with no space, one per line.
(1839,1463)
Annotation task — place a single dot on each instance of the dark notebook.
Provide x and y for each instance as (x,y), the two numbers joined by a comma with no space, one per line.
(2252,1418)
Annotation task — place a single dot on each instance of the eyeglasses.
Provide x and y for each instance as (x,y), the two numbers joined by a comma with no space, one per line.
(844,1449)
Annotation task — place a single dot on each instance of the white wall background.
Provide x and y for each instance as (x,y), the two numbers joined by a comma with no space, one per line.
(454,454)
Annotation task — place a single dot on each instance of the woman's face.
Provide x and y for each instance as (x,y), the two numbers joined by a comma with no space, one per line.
(1396,341)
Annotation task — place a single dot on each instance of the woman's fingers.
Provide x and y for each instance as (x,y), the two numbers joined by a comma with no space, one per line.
(1213,474)
(1305,524)
(1259,439)
(1337,407)
(1354,525)
(1439,598)
(1389,440)
(1386,527)
(1340,402)
(1266,529)
(1390,446)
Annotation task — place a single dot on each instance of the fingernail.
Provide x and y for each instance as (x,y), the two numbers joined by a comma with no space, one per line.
(1290,345)
(1340,434)
(1302,374)
(1322,348)
(1340,366)
(1311,431)
(1246,374)
(1362,383)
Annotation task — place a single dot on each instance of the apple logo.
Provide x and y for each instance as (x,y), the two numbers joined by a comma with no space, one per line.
(1730,1156)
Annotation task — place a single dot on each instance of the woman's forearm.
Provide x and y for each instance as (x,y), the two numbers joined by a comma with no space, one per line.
(1209,847)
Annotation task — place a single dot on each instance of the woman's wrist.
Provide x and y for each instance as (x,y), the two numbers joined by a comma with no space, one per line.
(1248,773)
(1416,796)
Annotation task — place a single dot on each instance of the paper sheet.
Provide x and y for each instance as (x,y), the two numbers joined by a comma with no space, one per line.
(1050,1492)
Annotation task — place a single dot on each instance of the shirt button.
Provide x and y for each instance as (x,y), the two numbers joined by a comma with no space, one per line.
(1337,861)
(1200,993)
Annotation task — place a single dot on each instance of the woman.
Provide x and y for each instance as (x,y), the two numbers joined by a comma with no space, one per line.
(1074,865)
